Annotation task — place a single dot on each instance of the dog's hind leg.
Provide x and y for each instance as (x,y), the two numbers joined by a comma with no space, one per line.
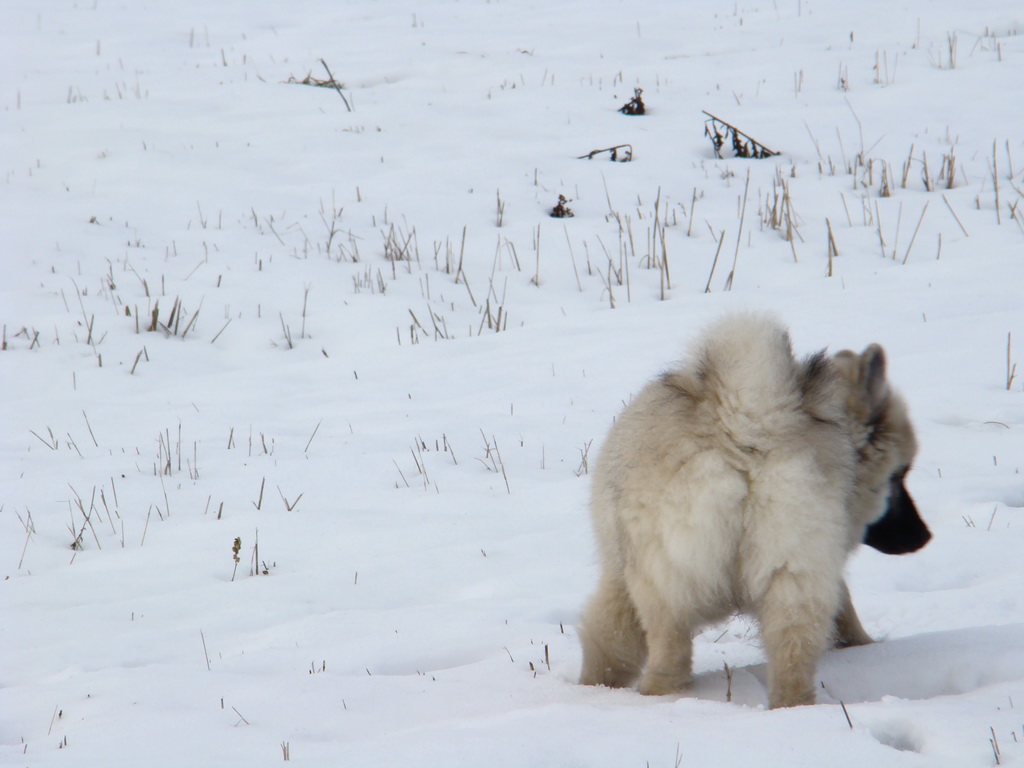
(670,663)
(796,619)
(792,567)
(614,648)
(849,630)
(669,643)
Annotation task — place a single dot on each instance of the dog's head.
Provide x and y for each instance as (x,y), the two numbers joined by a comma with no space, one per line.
(880,428)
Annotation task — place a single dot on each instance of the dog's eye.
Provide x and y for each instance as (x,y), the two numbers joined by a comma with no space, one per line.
(876,433)
(872,437)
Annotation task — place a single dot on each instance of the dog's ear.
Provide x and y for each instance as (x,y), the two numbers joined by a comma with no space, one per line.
(872,377)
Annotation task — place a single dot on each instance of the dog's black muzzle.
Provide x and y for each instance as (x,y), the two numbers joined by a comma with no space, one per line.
(900,530)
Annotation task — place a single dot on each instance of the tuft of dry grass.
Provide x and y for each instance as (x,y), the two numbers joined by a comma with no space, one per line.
(634,106)
(562,209)
(742,144)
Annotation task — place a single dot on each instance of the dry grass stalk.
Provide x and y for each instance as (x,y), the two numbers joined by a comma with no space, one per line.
(914,236)
(259,502)
(53,444)
(906,167)
(995,181)
(833,251)
(292,505)
(236,547)
(886,189)
(1011,367)
(501,210)
(310,441)
(584,467)
(693,205)
(881,237)
(613,153)
(572,256)
(217,335)
(287,332)
(896,237)
(959,223)
(948,172)
(330,82)
(847,714)
(739,235)
(714,262)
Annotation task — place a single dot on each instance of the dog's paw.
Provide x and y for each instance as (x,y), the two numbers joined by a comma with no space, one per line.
(661,684)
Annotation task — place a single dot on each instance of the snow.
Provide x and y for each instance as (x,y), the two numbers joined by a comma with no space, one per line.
(419,502)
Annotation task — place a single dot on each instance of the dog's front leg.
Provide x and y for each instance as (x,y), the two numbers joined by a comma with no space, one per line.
(849,630)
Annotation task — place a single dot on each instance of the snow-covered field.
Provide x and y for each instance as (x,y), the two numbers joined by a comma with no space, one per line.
(300,388)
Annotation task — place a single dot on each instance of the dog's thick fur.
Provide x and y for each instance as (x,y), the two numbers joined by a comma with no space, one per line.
(742,482)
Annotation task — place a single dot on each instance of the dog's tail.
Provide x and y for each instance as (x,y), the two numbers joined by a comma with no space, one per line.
(746,369)
(749,356)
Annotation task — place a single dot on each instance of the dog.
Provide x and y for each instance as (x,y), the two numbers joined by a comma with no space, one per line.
(742,481)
